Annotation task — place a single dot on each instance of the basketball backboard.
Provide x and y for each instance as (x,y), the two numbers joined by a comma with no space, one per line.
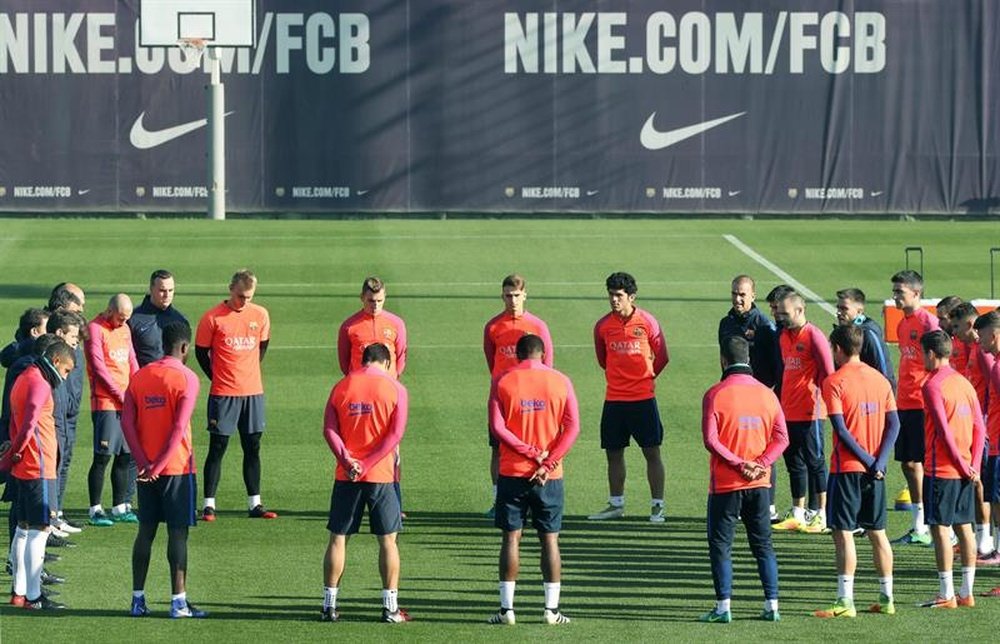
(220,23)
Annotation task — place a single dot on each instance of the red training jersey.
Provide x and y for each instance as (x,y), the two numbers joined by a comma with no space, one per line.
(977,369)
(953,426)
(365,419)
(233,339)
(632,351)
(362,329)
(741,421)
(110,362)
(500,338)
(911,358)
(807,360)
(993,412)
(862,396)
(156,419)
(32,426)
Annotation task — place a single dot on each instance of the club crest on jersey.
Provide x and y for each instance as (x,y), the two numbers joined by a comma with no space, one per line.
(638,331)
(913,335)
(388,333)
(254,326)
(800,347)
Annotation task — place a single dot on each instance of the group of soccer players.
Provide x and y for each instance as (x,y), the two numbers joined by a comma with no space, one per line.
(780,381)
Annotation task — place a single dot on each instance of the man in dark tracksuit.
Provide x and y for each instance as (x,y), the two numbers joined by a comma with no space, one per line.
(874,352)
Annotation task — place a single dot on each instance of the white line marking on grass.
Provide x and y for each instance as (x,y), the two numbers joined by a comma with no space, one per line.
(332,237)
(264,286)
(788,279)
(434,347)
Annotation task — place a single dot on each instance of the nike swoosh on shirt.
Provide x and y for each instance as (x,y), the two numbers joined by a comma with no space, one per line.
(145,139)
(653,139)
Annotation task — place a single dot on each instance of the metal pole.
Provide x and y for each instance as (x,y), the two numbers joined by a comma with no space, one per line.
(993,253)
(216,139)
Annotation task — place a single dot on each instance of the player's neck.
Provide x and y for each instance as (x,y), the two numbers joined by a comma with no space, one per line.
(623,314)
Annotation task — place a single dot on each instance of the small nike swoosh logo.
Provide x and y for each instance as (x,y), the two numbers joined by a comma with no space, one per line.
(591,193)
(653,139)
(877,194)
(145,139)
(361,193)
(83,192)
(733,193)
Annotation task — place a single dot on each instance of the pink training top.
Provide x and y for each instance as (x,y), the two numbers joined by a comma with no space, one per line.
(500,337)
(806,355)
(361,330)
(953,426)
(632,351)
(110,362)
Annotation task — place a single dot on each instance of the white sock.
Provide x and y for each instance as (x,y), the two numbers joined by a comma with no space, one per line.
(494,493)
(253,500)
(845,587)
(771,605)
(34,558)
(209,502)
(658,503)
(885,586)
(985,539)
(507,594)
(947,585)
(968,579)
(552,594)
(617,501)
(119,509)
(138,594)
(329,597)
(179,598)
(96,509)
(722,605)
(390,599)
(773,510)
(20,571)
(798,513)
(918,518)
(996,538)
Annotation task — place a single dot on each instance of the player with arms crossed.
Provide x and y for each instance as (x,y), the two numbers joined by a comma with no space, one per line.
(862,410)
(535,417)
(744,432)
(157,423)
(363,424)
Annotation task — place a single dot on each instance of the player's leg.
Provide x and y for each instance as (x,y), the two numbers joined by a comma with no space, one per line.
(816,462)
(756,519)
(95,477)
(347,505)
(511,512)
(68,430)
(720,525)
(798,476)
(648,433)
(771,493)
(842,517)
(38,496)
(251,427)
(142,549)
(965,512)
(546,503)
(909,451)
(385,519)
(120,489)
(615,438)
(217,444)
(940,497)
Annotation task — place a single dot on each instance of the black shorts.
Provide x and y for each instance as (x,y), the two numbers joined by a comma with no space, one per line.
(516,496)
(910,442)
(168,499)
(624,419)
(36,501)
(949,501)
(855,500)
(991,479)
(229,414)
(108,437)
(347,506)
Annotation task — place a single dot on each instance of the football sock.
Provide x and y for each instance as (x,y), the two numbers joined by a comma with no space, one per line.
(95,509)
(119,509)
(799,514)
(138,594)
(34,558)
(552,595)
(772,509)
(210,502)
(722,605)
(947,585)
(885,586)
(253,500)
(771,605)
(20,572)
(329,597)
(617,501)
(968,579)
(494,493)
(179,598)
(845,587)
(984,539)
(658,503)
(390,600)
(917,509)
(507,594)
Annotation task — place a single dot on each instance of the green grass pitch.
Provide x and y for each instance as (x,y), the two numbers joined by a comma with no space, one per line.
(628,580)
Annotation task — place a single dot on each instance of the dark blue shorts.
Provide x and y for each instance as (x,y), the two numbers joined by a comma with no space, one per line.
(229,414)
(855,500)
(517,496)
(168,499)
(625,419)
(347,507)
(910,442)
(949,501)
(36,501)
(108,437)
(991,480)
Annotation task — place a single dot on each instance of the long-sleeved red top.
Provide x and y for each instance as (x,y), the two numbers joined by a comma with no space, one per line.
(911,358)
(741,421)
(156,419)
(993,411)
(500,337)
(110,362)
(862,396)
(533,409)
(362,329)
(807,360)
(632,351)
(365,420)
(32,426)
(953,426)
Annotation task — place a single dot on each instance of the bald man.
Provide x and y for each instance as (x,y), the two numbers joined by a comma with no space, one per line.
(111,362)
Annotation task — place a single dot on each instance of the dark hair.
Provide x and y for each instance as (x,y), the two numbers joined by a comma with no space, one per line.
(30,319)
(529,345)
(372,285)
(853,294)
(779,293)
(377,352)
(937,342)
(160,274)
(174,334)
(963,311)
(909,278)
(735,350)
(622,282)
(849,338)
(62,320)
(60,298)
(43,342)
(988,320)
(513,281)
(59,350)
(948,302)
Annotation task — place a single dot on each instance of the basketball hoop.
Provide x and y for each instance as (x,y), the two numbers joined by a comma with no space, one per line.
(193,48)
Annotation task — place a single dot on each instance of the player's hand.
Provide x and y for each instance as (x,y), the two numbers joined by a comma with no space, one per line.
(541,457)
(879,475)
(540,477)
(973,475)
(356,470)
(751,471)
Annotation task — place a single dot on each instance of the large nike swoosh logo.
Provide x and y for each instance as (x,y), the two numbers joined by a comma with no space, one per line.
(652,139)
(145,139)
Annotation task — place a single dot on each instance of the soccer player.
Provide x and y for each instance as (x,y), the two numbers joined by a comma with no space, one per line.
(535,417)
(156,420)
(744,432)
(954,435)
(862,410)
(33,454)
(149,318)
(110,363)
(632,352)
(67,326)
(372,324)
(874,352)
(30,325)
(230,344)
(907,288)
(807,362)
(988,326)
(363,424)
(500,338)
